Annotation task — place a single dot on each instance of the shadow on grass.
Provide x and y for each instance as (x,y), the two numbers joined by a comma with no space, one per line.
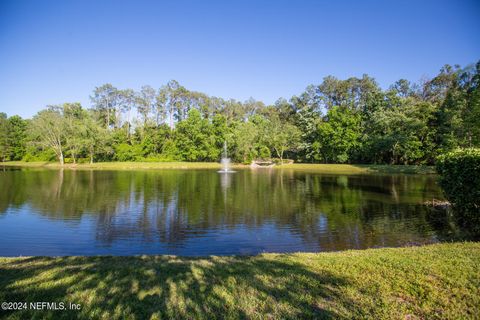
(173,287)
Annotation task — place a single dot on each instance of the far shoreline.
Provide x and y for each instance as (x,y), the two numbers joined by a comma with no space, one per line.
(317,168)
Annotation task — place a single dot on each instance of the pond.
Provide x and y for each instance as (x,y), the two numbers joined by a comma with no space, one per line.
(202,212)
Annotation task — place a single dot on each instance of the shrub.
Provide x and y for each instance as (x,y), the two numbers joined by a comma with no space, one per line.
(170,150)
(33,155)
(265,153)
(460,179)
(126,152)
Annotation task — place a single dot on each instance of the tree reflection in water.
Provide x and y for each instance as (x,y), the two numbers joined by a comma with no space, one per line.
(272,210)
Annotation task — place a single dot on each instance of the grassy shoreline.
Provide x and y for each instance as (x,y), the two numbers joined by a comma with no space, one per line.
(440,281)
(320,168)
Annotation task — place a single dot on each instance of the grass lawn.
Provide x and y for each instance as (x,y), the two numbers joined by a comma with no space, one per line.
(439,281)
(359,168)
(118,165)
(320,168)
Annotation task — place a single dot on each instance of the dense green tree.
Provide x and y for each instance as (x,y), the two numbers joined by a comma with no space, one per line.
(195,140)
(17,134)
(4,138)
(353,93)
(307,116)
(402,134)
(472,110)
(339,135)
(222,132)
(245,136)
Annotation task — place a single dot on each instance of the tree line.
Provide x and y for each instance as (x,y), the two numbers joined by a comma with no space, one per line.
(338,121)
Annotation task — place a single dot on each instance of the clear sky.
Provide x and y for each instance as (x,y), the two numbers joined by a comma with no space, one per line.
(58,51)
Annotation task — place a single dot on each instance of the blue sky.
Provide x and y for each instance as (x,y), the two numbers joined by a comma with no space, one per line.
(58,51)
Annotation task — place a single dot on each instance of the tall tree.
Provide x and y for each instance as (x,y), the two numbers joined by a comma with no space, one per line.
(171,95)
(146,102)
(402,134)
(284,136)
(74,120)
(17,137)
(251,106)
(4,139)
(307,116)
(194,138)
(246,134)
(95,138)
(160,110)
(339,134)
(128,102)
(470,80)
(48,129)
(105,100)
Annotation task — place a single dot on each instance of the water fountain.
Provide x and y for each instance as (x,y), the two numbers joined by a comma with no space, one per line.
(225,161)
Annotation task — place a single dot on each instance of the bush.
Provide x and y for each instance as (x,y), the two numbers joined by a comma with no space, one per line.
(33,155)
(170,151)
(126,152)
(460,179)
(265,153)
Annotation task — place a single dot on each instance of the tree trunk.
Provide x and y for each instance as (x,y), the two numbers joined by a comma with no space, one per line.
(91,155)
(129,120)
(108,115)
(61,158)
(117,118)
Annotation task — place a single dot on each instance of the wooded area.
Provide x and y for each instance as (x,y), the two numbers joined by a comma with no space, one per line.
(338,121)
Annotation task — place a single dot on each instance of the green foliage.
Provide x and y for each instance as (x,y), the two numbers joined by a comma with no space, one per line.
(245,135)
(126,152)
(33,154)
(264,153)
(17,137)
(4,143)
(337,121)
(170,150)
(283,136)
(402,134)
(339,135)
(48,130)
(195,140)
(460,179)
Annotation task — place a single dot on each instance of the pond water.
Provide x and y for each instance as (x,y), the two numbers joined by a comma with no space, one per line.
(202,212)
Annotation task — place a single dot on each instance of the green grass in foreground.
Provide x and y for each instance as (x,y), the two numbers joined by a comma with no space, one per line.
(320,168)
(439,281)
